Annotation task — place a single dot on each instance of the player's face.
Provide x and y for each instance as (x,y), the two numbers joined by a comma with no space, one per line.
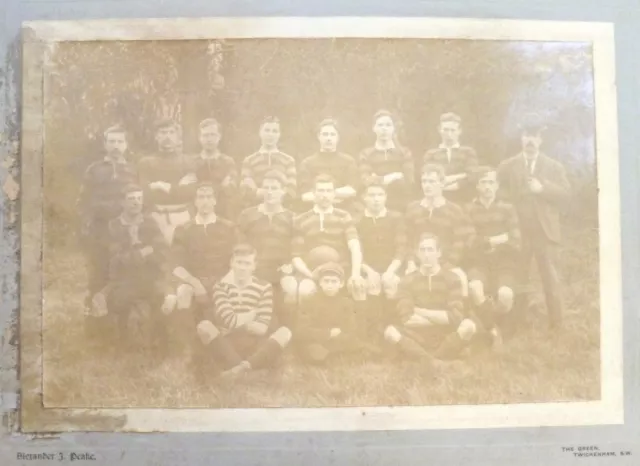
(429,252)
(488,185)
(243,266)
(270,134)
(272,191)
(375,198)
(168,138)
(384,128)
(210,138)
(115,144)
(328,137)
(531,142)
(450,132)
(133,203)
(330,285)
(325,193)
(205,201)
(431,184)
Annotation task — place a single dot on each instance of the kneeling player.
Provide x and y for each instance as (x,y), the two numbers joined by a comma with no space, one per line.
(240,332)
(431,324)
(326,327)
(493,258)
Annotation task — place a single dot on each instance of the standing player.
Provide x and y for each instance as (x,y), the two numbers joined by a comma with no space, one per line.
(137,273)
(388,163)
(494,254)
(383,238)
(269,228)
(211,166)
(342,168)
(538,187)
(99,202)
(458,161)
(323,234)
(201,253)
(431,325)
(240,332)
(168,180)
(268,158)
(436,215)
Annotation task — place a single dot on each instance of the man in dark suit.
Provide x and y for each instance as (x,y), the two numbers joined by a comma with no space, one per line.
(537,186)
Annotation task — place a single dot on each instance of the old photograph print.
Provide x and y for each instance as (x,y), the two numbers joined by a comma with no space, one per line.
(251,223)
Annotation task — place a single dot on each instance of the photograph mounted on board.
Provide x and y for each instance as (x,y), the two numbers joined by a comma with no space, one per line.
(338,220)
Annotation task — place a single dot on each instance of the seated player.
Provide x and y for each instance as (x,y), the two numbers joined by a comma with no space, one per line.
(444,219)
(323,234)
(431,326)
(326,327)
(341,167)
(493,257)
(384,242)
(269,228)
(388,163)
(200,257)
(212,166)
(239,332)
(268,158)
(137,274)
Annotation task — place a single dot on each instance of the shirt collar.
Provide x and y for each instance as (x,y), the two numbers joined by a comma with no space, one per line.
(382,214)
(263,210)
(389,145)
(120,159)
(230,279)
(213,218)
(205,156)
(478,201)
(438,202)
(264,151)
(317,210)
(433,271)
(455,146)
(136,221)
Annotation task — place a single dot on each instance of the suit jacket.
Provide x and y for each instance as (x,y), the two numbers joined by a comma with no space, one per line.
(536,212)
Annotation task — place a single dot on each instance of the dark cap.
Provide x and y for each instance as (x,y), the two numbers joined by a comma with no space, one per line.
(329,268)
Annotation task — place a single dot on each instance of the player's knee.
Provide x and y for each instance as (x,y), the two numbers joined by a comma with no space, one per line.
(392,334)
(207,332)
(289,285)
(505,298)
(184,294)
(464,282)
(476,289)
(282,336)
(467,329)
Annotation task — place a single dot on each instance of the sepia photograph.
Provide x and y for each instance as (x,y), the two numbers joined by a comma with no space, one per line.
(294,221)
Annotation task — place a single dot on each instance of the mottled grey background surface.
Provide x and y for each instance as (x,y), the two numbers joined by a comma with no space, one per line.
(466,447)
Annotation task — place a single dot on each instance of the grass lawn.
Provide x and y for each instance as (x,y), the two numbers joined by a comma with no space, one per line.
(535,366)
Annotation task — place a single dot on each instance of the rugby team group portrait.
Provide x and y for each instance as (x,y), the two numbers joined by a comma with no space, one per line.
(320,223)
(387,254)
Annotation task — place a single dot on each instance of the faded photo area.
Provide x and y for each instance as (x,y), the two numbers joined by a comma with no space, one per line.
(319,223)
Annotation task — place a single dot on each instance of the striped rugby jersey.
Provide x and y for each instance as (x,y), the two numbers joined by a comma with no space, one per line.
(341,167)
(256,165)
(169,168)
(214,169)
(383,239)
(334,228)
(457,159)
(498,218)
(271,235)
(447,221)
(230,301)
(441,291)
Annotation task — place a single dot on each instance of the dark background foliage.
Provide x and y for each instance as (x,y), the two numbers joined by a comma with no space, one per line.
(491,84)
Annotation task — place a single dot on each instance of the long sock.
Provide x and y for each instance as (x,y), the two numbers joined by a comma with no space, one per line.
(266,353)
(450,347)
